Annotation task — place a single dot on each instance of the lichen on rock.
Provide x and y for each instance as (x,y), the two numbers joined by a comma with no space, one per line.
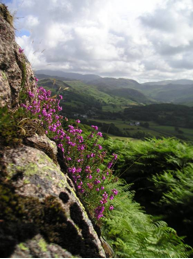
(35,195)
(40,213)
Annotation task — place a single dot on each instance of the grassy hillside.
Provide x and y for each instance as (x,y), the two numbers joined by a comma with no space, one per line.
(82,97)
(132,94)
(117,111)
(169,92)
(104,98)
(172,91)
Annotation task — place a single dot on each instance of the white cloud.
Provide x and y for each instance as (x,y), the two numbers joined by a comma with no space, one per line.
(143,40)
(31,21)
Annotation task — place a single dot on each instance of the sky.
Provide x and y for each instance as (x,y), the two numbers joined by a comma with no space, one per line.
(145,40)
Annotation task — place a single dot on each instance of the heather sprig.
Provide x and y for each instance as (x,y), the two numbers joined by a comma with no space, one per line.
(84,157)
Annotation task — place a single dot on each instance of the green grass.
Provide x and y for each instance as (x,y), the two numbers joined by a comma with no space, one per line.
(124,139)
(153,130)
(112,108)
(170,131)
(105,99)
(125,127)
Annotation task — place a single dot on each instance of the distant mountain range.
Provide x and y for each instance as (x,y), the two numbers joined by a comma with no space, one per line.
(171,91)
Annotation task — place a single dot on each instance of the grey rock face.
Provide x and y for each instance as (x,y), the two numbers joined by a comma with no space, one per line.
(15,70)
(40,213)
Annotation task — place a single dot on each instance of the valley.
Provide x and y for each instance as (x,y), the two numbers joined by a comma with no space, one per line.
(120,110)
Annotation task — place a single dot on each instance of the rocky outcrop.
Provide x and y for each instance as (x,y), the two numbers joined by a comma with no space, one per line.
(15,70)
(40,210)
(40,213)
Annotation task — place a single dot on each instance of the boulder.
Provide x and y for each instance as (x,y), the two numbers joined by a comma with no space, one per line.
(40,213)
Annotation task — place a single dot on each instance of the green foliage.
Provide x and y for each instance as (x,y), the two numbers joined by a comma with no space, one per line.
(132,233)
(163,114)
(162,173)
(15,125)
(127,228)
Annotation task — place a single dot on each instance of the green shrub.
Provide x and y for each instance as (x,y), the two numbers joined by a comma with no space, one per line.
(162,175)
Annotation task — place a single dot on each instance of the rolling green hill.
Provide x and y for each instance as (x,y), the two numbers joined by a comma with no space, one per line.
(177,91)
(132,94)
(82,97)
(117,110)
(171,91)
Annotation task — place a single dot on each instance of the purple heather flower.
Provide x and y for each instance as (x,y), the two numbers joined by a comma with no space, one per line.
(97,189)
(94,127)
(103,177)
(96,181)
(78,170)
(90,186)
(81,147)
(105,195)
(115,156)
(72,169)
(77,121)
(87,169)
(60,145)
(115,191)
(111,207)
(102,187)
(100,134)
(71,127)
(61,97)
(36,79)
(80,138)
(21,50)
(99,212)
(109,164)
(100,147)
(31,94)
(23,105)
(98,170)
(111,197)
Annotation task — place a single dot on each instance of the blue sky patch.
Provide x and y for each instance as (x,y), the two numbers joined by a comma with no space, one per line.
(22,32)
(6,1)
